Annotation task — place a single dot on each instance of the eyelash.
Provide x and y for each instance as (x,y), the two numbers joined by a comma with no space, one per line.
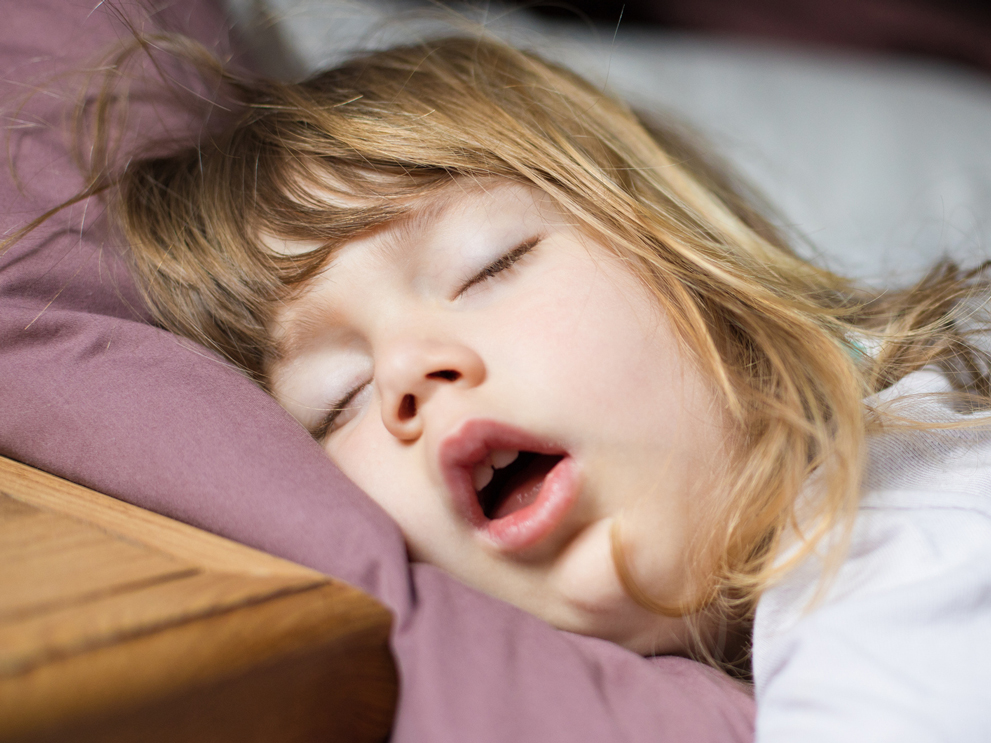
(327,423)
(497,266)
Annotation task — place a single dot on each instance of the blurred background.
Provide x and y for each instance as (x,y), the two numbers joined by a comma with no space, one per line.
(958,30)
(866,122)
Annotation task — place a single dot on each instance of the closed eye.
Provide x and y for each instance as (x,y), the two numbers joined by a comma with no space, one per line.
(332,419)
(499,265)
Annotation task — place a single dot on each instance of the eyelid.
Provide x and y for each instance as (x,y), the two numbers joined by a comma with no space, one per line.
(326,423)
(507,260)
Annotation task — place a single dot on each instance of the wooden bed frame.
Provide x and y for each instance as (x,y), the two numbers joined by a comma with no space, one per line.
(117,624)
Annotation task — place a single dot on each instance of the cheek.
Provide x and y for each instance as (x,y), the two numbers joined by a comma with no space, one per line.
(392,476)
(359,454)
(594,344)
(606,364)
(363,454)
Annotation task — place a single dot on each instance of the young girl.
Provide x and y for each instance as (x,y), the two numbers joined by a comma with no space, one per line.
(584,374)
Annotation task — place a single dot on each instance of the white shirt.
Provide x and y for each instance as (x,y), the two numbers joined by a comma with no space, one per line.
(900,648)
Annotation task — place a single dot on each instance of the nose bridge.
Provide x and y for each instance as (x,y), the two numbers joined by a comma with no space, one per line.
(410,369)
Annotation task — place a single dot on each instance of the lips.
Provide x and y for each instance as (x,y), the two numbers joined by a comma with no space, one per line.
(521,498)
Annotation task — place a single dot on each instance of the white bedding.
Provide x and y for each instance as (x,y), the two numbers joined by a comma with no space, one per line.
(897,649)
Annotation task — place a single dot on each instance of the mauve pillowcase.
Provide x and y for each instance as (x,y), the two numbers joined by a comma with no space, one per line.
(92,392)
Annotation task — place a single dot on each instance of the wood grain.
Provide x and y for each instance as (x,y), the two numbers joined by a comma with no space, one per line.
(33,549)
(117,624)
(128,522)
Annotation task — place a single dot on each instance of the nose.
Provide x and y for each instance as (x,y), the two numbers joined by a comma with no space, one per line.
(412,371)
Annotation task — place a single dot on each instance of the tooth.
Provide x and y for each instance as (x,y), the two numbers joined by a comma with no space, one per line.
(503,457)
(481,476)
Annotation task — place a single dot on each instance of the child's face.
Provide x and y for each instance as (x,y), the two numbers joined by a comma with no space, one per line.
(484,325)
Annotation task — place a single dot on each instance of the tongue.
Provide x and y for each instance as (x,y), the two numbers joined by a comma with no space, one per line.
(523,487)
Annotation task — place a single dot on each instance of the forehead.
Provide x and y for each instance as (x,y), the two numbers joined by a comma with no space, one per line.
(448,217)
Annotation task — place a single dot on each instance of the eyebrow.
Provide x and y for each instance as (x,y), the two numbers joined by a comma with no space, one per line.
(412,224)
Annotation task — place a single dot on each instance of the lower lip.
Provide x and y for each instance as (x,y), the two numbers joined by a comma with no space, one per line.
(528,526)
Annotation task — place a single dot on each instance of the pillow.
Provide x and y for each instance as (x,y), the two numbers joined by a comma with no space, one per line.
(92,392)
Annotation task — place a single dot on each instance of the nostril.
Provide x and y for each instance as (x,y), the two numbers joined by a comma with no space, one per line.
(449,375)
(407,408)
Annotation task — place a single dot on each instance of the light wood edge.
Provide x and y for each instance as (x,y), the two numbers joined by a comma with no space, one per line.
(187,543)
(75,629)
(192,654)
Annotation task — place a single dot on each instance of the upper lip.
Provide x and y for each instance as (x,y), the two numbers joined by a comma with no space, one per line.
(468,445)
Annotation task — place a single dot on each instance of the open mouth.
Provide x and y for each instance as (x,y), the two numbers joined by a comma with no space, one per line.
(515,489)
(508,481)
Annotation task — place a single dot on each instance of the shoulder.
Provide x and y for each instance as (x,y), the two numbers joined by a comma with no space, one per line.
(898,647)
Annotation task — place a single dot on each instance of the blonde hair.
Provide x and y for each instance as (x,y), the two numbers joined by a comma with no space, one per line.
(330,157)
